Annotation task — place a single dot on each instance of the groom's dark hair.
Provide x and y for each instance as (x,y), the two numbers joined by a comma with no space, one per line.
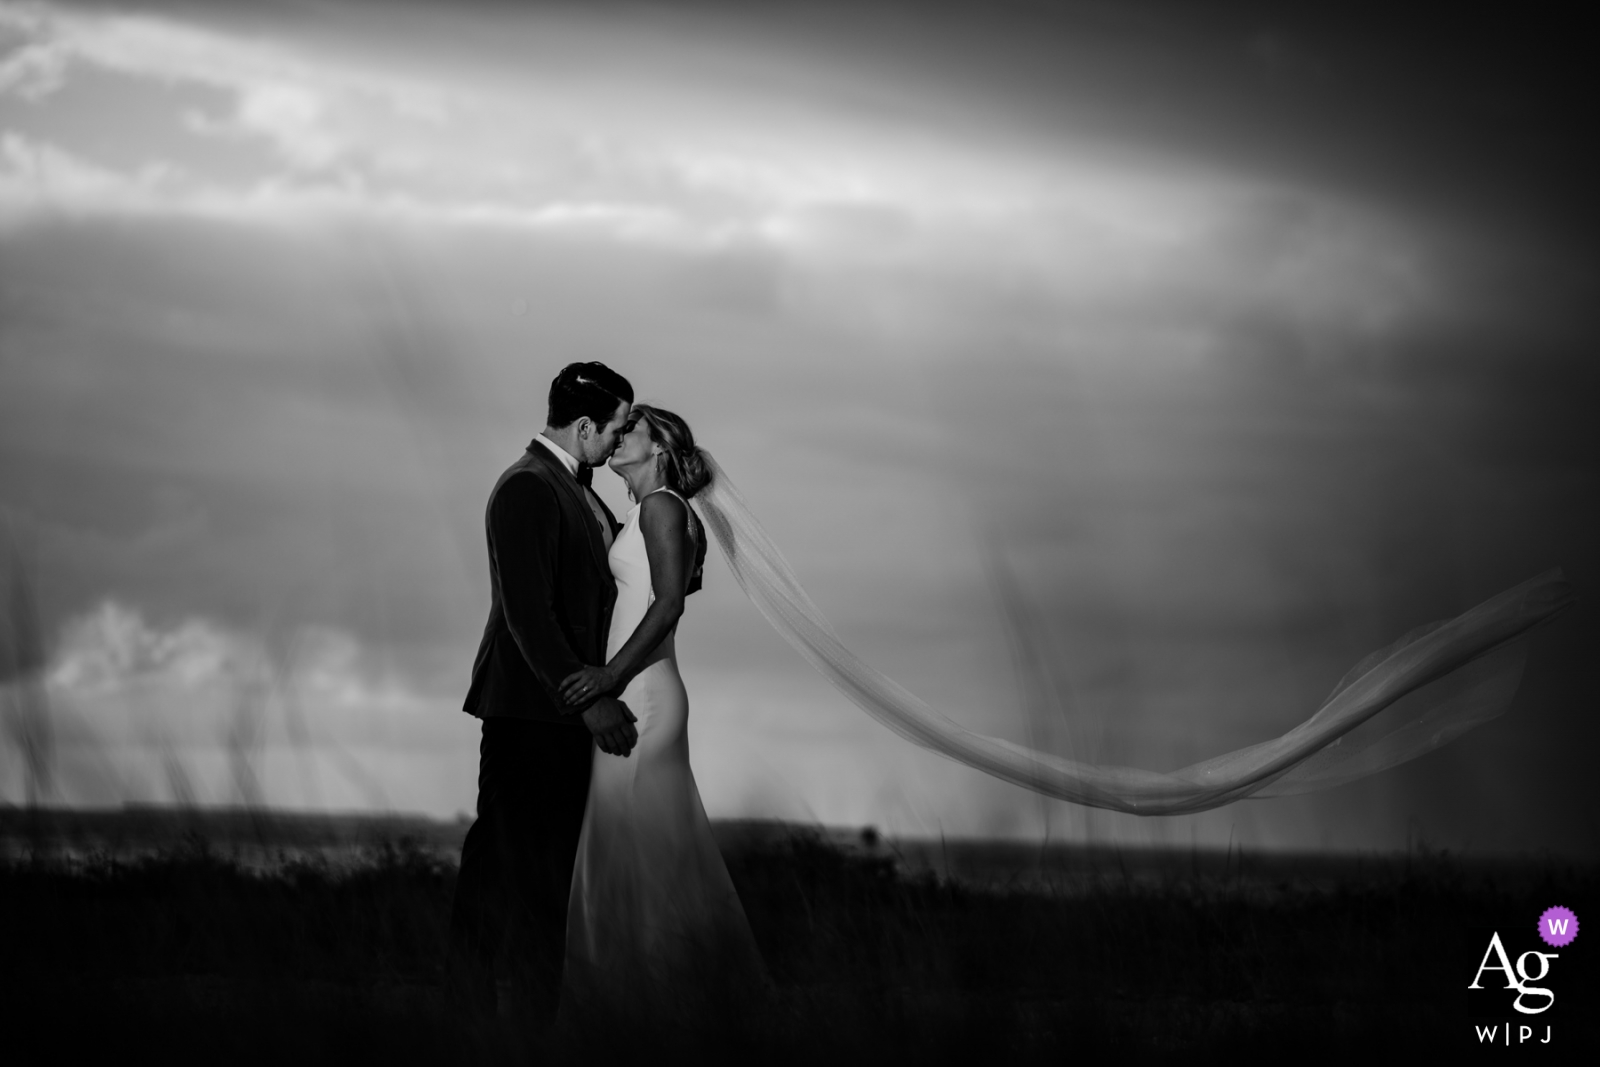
(591,390)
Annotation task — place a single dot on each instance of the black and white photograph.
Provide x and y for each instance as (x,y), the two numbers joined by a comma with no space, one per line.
(587,531)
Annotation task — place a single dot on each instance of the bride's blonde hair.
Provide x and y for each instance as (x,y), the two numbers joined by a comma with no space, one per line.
(686,468)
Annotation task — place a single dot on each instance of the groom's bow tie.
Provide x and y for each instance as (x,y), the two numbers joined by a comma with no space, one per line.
(585,475)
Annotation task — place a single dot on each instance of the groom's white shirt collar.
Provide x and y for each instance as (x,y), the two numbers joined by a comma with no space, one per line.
(567,459)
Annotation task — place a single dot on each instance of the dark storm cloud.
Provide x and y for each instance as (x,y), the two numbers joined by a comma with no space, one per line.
(1472,110)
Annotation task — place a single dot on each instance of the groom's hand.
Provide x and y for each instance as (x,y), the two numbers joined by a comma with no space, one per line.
(611,723)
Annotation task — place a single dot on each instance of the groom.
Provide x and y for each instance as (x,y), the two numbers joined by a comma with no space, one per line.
(551,594)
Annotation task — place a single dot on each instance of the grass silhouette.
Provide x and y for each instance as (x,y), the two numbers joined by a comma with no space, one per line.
(192,954)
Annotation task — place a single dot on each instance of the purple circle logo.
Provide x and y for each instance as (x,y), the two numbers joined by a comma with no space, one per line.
(1558,926)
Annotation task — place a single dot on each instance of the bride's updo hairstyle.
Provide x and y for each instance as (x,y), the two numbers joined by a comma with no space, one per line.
(686,470)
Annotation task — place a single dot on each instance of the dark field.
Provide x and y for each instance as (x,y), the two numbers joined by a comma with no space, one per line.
(233,936)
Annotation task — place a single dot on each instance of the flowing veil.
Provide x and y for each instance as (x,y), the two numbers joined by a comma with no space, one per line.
(1433,684)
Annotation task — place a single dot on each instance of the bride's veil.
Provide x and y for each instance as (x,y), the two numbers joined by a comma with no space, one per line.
(1421,692)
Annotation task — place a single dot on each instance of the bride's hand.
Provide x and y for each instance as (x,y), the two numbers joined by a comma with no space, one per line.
(587,685)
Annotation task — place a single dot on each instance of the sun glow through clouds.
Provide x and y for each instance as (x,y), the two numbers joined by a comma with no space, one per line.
(828,193)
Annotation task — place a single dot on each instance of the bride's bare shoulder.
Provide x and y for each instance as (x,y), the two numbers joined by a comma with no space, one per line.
(664,511)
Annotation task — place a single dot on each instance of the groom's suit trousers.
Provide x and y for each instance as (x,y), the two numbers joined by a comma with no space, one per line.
(516,863)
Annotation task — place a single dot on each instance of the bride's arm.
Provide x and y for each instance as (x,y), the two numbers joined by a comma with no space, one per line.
(664,522)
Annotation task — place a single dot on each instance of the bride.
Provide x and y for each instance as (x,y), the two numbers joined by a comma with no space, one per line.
(654,926)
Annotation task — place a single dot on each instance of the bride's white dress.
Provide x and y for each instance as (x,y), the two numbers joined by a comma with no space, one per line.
(653,921)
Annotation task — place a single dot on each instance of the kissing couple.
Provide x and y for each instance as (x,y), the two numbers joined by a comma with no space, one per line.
(590,875)
(591,870)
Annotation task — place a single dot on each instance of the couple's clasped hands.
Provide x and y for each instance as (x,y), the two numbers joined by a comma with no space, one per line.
(607,718)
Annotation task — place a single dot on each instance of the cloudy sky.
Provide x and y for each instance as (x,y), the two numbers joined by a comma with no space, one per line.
(1241,343)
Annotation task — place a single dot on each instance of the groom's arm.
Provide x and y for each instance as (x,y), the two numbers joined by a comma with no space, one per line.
(525,525)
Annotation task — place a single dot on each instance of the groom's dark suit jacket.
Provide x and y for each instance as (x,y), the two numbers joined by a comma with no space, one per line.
(551,592)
